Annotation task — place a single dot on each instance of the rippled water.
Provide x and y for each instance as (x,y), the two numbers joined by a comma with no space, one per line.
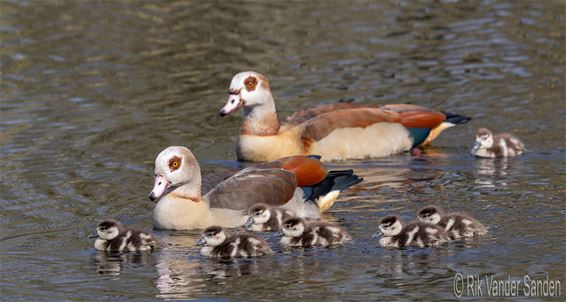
(92,91)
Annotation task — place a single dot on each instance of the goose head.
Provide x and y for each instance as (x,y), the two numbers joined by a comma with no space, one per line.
(212,236)
(249,90)
(389,226)
(109,229)
(484,139)
(258,214)
(430,214)
(293,227)
(176,168)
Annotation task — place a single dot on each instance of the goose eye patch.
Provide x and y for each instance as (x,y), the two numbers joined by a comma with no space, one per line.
(250,83)
(174,163)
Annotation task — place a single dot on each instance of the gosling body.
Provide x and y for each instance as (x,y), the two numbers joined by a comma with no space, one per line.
(265,219)
(217,244)
(297,232)
(457,225)
(393,234)
(112,236)
(501,145)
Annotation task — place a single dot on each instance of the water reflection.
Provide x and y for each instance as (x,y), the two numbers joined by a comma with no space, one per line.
(177,264)
(112,264)
(217,269)
(488,171)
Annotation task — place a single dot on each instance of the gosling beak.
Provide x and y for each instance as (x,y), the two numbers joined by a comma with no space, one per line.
(249,223)
(476,147)
(234,103)
(377,234)
(279,234)
(93,235)
(159,187)
(201,241)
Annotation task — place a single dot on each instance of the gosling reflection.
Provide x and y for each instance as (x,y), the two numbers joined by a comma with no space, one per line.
(221,269)
(112,264)
(425,264)
(489,169)
(183,272)
(177,265)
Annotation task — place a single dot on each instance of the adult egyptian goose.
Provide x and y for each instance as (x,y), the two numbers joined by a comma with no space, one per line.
(300,184)
(335,131)
(500,145)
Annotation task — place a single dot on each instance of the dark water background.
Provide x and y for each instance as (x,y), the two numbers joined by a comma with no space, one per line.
(91,91)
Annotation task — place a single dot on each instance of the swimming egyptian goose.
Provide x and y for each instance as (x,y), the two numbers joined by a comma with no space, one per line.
(300,184)
(335,131)
(500,145)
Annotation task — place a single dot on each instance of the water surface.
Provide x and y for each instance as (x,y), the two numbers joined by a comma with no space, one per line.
(93,91)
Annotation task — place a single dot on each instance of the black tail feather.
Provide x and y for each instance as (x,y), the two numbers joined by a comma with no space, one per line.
(335,180)
(345,181)
(456,118)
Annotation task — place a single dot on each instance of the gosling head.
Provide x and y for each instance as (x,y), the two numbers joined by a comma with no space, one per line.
(484,139)
(249,90)
(212,236)
(293,227)
(109,229)
(389,226)
(430,214)
(259,214)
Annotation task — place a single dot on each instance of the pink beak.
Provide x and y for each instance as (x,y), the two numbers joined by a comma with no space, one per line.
(159,188)
(233,104)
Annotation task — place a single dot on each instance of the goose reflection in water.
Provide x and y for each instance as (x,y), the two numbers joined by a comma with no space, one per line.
(488,170)
(113,264)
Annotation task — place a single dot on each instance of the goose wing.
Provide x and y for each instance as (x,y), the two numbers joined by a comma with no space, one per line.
(252,185)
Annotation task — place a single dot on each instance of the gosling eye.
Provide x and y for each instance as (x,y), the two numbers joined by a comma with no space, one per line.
(232,101)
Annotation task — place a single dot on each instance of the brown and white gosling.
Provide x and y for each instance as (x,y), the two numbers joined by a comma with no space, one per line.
(392,233)
(216,244)
(297,232)
(265,219)
(112,236)
(457,225)
(500,145)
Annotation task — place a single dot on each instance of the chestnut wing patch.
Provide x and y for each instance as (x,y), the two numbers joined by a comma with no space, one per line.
(306,114)
(414,116)
(273,187)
